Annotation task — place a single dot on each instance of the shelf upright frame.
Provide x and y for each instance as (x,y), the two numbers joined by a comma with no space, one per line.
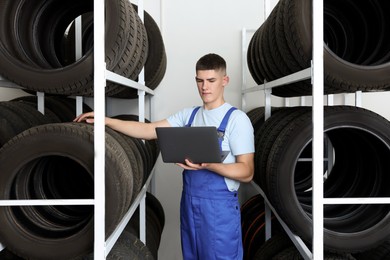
(78,54)
(101,75)
(99,129)
(318,128)
(141,118)
(316,74)
(142,90)
(266,87)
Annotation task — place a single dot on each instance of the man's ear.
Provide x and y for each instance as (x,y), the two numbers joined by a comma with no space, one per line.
(225,80)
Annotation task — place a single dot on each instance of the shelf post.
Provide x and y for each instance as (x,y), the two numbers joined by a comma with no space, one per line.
(41,102)
(318,128)
(99,130)
(268,100)
(243,67)
(141,118)
(142,219)
(358,98)
(78,55)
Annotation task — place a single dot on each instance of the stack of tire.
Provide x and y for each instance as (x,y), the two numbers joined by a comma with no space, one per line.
(279,246)
(356,49)
(253,225)
(359,143)
(49,157)
(128,246)
(21,113)
(37,46)
(155,221)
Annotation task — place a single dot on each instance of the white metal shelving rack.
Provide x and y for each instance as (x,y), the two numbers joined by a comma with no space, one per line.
(316,73)
(101,75)
(101,246)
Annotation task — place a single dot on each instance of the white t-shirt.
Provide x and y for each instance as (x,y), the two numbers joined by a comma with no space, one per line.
(238,139)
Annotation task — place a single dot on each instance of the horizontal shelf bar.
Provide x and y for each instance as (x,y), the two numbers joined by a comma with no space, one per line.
(113,77)
(46,202)
(8,84)
(249,30)
(371,200)
(295,77)
(310,159)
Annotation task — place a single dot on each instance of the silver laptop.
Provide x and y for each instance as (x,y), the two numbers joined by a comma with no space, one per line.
(198,144)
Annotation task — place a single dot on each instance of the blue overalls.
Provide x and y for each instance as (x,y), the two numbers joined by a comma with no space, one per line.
(209,213)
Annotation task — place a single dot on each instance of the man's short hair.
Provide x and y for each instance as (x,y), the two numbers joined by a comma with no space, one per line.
(211,61)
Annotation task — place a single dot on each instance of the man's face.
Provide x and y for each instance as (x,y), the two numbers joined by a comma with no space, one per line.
(211,84)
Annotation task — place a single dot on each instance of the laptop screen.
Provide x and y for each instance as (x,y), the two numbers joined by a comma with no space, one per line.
(197,144)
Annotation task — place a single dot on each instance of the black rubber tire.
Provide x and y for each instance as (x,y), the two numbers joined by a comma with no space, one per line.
(356,49)
(265,138)
(136,54)
(75,142)
(76,78)
(270,248)
(352,229)
(128,246)
(11,124)
(63,108)
(155,220)
(149,149)
(381,252)
(251,59)
(342,74)
(35,77)
(133,157)
(66,51)
(253,225)
(292,253)
(156,61)
(5,254)
(17,117)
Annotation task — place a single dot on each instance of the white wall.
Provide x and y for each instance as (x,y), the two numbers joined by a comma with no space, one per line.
(191,29)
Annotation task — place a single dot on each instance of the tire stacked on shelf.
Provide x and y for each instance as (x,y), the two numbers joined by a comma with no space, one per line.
(128,245)
(156,62)
(15,117)
(359,141)
(280,247)
(155,221)
(36,46)
(21,113)
(253,225)
(37,52)
(55,161)
(149,149)
(381,252)
(356,49)
(63,107)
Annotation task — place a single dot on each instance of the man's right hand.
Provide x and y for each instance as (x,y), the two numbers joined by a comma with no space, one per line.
(87,117)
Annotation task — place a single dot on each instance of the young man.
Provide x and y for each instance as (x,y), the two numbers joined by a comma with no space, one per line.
(209,208)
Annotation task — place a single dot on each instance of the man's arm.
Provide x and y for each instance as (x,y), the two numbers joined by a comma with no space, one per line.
(135,129)
(242,170)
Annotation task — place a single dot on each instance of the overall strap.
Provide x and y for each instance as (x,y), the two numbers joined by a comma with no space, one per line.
(225,120)
(222,127)
(192,116)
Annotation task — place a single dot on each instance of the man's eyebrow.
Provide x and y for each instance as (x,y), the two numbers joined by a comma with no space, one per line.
(199,79)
